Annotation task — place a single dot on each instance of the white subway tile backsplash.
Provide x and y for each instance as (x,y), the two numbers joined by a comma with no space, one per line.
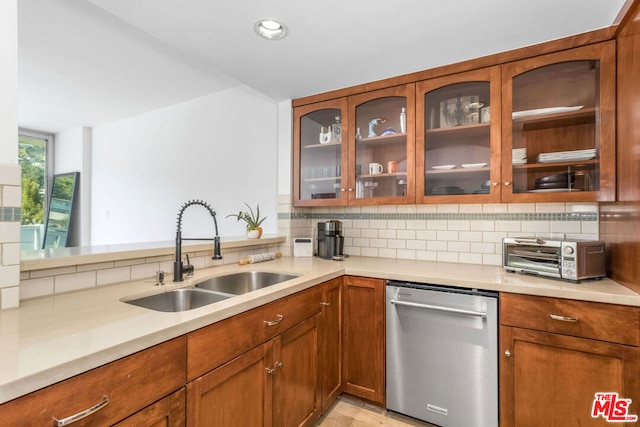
(397,224)
(436,245)
(426,209)
(387,253)
(378,223)
(550,207)
(482,225)
(470,258)
(494,208)
(114,275)
(33,288)
(447,257)
(507,225)
(9,297)
(448,235)
(406,254)
(471,208)
(9,276)
(470,236)
(535,227)
(427,235)
(387,233)
(75,281)
(483,248)
(396,244)
(447,208)
(406,234)
(378,243)
(11,196)
(458,225)
(459,246)
(489,259)
(493,236)
(437,224)
(565,227)
(11,254)
(370,233)
(427,255)
(589,227)
(371,252)
(419,245)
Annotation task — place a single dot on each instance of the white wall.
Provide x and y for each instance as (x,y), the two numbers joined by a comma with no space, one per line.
(285,145)
(73,154)
(8,81)
(220,148)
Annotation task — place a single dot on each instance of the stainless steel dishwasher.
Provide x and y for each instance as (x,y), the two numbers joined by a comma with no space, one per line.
(442,348)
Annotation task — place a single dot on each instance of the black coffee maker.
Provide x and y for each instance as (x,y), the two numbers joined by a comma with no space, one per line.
(330,240)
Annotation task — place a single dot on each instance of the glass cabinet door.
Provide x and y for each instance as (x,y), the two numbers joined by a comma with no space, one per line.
(558,125)
(458,140)
(382,150)
(319,156)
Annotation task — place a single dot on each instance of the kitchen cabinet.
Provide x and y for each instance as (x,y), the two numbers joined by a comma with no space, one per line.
(320,153)
(557,354)
(356,150)
(558,126)
(331,342)
(261,367)
(167,412)
(458,138)
(363,357)
(122,388)
(382,149)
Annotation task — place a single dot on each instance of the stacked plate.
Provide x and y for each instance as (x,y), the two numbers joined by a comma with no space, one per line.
(567,156)
(519,156)
(556,182)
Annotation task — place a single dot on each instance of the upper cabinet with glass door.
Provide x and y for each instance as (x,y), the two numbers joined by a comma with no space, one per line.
(320,153)
(558,124)
(382,146)
(458,139)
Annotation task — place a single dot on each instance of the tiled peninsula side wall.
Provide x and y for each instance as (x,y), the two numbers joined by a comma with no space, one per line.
(43,282)
(464,233)
(10,212)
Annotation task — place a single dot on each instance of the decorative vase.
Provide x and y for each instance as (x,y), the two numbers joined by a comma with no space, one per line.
(254,233)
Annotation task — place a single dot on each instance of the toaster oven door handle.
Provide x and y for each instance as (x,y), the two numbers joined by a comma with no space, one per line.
(531,240)
(563,318)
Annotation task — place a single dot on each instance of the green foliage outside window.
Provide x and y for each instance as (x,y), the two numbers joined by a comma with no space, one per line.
(31,157)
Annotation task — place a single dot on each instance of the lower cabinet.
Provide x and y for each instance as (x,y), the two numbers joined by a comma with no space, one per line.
(558,354)
(167,412)
(363,357)
(331,342)
(110,393)
(277,378)
(276,383)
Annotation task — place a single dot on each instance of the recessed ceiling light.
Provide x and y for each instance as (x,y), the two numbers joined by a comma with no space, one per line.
(270,29)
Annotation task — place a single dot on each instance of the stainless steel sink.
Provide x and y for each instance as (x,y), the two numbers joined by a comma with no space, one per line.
(178,300)
(243,282)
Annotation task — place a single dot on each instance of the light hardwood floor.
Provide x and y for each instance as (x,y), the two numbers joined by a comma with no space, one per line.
(353,413)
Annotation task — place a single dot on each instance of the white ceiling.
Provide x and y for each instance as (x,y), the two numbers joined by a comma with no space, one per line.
(87,62)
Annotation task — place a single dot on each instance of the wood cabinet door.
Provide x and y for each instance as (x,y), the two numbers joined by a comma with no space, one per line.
(382,146)
(296,386)
(167,412)
(238,393)
(363,357)
(320,164)
(331,342)
(550,379)
(458,158)
(558,117)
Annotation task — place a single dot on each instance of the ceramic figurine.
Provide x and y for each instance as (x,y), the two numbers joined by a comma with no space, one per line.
(373,123)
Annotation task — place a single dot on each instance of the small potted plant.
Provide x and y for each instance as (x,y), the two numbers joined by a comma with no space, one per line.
(254,231)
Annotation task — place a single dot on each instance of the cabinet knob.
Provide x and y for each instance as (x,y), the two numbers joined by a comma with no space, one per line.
(270,371)
(343,190)
(325,303)
(507,353)
(507,183)
(495,184)
(279,365)
(351,190)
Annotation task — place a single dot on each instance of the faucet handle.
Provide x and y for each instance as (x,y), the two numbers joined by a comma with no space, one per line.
(188,269)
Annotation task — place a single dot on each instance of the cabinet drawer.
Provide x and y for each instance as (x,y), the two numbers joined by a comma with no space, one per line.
(606,322)
(289,311)
(130,384)
(214,345)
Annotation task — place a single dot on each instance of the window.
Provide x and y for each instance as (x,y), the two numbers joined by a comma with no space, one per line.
(34,157)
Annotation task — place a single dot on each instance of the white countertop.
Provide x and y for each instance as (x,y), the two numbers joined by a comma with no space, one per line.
(53,338)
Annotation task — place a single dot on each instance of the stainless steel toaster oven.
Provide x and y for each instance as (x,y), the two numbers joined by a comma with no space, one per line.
(573,260)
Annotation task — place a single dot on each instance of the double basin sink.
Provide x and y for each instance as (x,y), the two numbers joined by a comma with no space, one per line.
(210,291)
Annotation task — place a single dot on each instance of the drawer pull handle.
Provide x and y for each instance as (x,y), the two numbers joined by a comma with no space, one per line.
(80,415)
(279,319)
(563,318)
(325,303)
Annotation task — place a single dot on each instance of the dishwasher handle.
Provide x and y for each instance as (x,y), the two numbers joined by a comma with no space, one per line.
(440,308)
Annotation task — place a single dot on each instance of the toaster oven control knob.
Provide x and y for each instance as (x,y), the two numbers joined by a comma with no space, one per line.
(568,250)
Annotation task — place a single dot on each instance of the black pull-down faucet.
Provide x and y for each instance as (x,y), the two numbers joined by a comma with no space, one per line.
(178,268)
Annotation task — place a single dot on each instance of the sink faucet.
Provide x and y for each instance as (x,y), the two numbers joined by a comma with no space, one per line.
(178,268)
